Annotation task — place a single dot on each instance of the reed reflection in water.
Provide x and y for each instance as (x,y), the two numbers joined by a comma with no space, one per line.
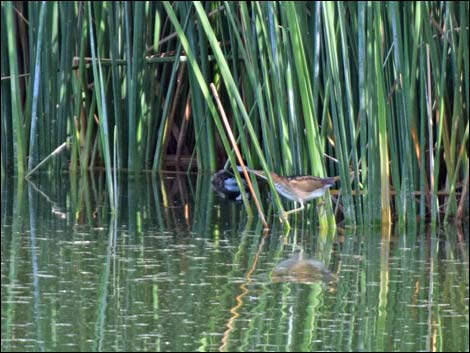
(180,269)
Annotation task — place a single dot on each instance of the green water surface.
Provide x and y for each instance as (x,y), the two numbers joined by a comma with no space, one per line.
(178,268)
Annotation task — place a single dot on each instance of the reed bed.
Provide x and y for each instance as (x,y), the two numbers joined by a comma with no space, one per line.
(374,90)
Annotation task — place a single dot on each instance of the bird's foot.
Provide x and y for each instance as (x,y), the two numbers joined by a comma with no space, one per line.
(321,204)
(283,217)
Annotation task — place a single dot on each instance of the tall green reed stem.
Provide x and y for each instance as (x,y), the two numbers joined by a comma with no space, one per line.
(376,91)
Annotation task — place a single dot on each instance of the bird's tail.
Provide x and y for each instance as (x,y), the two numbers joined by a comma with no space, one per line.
(331,181)
(351,175)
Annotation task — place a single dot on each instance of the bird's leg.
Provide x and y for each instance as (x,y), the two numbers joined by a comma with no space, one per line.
(321,206)
(321,203)
(284,215)
(296,209)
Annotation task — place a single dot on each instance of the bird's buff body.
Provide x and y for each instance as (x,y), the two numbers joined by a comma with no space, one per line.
(298,188)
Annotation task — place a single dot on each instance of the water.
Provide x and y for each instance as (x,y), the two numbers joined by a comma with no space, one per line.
(180,269)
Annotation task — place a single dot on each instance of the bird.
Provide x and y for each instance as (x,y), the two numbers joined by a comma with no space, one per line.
(226,185)
(300,189)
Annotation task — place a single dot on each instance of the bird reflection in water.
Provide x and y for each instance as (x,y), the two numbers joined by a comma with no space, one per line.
(301,269)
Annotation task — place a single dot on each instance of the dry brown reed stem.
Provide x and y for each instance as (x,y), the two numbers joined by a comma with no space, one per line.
(237,153)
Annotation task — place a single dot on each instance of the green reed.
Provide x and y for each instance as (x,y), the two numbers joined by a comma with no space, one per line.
(377,93)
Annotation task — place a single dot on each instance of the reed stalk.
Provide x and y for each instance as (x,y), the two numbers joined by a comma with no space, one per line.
(379,91)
